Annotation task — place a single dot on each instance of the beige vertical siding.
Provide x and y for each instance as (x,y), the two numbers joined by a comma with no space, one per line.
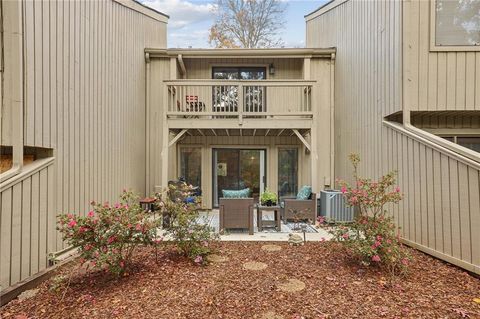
(441,210)
(367,76)
(440,213)
(159,71)
(436,80)
(84,94)
(285,69)
(27,218)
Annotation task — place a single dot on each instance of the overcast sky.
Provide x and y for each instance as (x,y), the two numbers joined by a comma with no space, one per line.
(190,20)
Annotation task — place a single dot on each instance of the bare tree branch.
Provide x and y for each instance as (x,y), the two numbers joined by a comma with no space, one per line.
(247,24)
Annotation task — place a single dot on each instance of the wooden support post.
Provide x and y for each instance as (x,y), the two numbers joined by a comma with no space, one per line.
(303,140)
(314,158)
(177,137)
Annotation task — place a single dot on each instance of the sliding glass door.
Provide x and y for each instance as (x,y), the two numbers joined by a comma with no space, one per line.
(225,97)
(235,169)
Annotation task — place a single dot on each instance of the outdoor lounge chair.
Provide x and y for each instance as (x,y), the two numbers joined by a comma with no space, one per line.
(236,213)
(293,208)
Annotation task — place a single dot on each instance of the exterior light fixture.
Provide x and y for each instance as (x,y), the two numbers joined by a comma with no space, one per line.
(271,69)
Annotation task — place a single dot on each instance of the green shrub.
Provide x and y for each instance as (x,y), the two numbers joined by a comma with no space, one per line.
(108,235)
(192,237)
(373,237)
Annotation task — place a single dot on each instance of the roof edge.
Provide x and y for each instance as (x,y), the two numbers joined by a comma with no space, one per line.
(323,9)
(240,53)
(136,5)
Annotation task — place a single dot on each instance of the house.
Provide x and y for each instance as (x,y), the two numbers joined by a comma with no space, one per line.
(407,98)
(94,102)
(240,118)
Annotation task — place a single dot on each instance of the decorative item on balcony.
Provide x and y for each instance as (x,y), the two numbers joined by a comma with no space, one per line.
(268,198)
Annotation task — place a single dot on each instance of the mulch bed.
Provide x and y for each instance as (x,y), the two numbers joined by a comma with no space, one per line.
(334,288)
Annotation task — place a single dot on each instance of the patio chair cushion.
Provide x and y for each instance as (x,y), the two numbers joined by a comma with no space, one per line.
(304,193)
(243,193)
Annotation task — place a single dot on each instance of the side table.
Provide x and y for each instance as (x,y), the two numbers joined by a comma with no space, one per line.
(261,223)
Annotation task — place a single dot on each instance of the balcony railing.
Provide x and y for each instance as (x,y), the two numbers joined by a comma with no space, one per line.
(239,99)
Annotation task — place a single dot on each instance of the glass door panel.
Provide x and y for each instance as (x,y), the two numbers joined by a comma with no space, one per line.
(235,169)
(191,165)
(287,172)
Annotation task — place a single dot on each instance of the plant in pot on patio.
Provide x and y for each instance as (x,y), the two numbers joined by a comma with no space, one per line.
(268,198)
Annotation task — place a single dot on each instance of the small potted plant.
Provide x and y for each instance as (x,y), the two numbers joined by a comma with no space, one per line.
(268,198)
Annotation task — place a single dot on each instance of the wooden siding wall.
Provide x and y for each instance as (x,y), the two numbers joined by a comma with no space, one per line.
(84,94)
(159,71)
(440,213)
(285,68)
(436,80)
(441,210)
(367,76)
(27,225)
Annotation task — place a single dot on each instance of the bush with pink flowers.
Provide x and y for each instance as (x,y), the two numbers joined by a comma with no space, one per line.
(373,237)
(108,235)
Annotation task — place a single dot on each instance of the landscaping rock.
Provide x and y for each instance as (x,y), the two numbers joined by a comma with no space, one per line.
(214,258)
(27,294)
(295,240)
(254,265)
(291,285)
(271,248)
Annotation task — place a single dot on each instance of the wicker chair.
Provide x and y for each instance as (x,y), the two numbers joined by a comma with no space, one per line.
(303,209)
(236,213)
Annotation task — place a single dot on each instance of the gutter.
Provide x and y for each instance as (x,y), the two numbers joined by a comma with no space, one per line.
(182,66)
(243,53)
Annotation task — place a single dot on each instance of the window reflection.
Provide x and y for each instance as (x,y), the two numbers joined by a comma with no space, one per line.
(190,165)
(457,22)
(287,172)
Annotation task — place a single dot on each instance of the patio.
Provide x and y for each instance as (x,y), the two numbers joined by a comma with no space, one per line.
(267,234)
(255,280)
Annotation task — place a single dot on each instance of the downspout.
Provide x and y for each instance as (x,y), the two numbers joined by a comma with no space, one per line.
(147,124)
(183,70)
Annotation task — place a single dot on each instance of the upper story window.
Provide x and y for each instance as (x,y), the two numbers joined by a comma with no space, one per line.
(456,25)
(239,73)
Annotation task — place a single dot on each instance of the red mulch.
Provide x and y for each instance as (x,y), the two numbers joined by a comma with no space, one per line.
(335,288)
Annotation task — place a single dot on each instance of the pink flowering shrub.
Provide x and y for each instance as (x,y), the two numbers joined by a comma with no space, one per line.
(108,235)
(192,237)
(373,237)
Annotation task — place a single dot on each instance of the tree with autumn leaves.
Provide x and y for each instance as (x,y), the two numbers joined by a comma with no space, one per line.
(247,24)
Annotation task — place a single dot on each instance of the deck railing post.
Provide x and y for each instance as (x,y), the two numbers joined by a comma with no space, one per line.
(240,104)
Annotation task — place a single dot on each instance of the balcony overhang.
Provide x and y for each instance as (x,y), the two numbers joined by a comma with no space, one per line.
(243,53)
(222,124)
(211,132)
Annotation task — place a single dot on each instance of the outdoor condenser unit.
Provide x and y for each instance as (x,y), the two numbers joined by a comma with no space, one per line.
(334,207)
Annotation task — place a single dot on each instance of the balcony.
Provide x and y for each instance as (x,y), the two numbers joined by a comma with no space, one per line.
(239,103)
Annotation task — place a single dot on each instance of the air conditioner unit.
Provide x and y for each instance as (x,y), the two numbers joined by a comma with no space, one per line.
(334,207)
